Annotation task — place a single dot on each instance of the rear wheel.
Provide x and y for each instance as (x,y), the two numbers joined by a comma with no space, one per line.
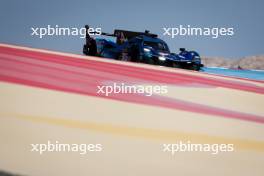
(176,65)
(85,49)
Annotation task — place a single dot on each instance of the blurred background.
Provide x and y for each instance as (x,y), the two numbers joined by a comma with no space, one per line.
(245,16)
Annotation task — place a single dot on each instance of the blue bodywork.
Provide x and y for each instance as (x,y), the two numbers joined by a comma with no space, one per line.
(188,59)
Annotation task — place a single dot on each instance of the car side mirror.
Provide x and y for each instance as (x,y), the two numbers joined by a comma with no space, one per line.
(182,49)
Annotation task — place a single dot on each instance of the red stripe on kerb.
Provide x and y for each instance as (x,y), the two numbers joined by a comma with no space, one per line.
(135,72)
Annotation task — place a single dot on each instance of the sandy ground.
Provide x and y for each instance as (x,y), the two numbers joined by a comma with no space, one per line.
(248,63)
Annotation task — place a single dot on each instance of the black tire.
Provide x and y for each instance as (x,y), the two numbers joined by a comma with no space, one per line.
(85,50)
(175,65)
(149,61)
(134,54)
(196,67)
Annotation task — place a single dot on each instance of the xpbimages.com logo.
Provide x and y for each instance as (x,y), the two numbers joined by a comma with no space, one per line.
(122,88)
(62,147)
(181,146)
(56,30)
(188,30)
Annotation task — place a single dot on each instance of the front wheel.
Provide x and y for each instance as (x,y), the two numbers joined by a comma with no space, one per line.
(149,60)
(196,67)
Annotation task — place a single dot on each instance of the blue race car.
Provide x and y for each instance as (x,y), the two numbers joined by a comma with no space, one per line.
(188,60)
(142,47)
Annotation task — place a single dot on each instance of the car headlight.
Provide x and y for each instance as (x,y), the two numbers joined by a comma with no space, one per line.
(196,58)
(162,58)
(147,50)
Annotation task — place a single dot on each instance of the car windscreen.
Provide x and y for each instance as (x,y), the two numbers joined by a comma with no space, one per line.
(160,46)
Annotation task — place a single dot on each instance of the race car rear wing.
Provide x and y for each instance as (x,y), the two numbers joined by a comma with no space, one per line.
(123,35)
(131,34)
